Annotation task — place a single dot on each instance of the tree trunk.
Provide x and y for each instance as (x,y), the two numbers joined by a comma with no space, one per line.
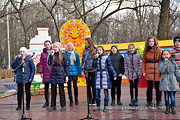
(161,34)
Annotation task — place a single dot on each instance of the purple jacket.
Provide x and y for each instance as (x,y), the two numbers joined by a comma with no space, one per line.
(135,59)
(43,66)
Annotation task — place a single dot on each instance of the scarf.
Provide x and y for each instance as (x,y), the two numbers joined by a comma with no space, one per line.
(49,52)
(72,57)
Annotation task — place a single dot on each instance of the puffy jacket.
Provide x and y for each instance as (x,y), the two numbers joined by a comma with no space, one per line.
(58,72)
(117,62)
(104,70)
(148,67)
(43,66)
(135,59)
(88,63)
(29,69)
(176,55)
(74,70)
(170,76)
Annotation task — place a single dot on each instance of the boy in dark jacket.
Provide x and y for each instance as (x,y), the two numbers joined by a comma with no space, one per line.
(118,64)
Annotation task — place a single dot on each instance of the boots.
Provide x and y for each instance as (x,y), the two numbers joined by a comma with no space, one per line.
(167,110)
(136,102)
(158,104)
(131,103)
(45,104)
(105,105)
(27,107)
(173,110)
(76,101)
(63,108)
(119,102)
(113,102)
(71,102)
(52,108)
(149,103)
(18,108)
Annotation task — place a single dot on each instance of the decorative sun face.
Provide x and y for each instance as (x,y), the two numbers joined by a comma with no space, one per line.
(75,31)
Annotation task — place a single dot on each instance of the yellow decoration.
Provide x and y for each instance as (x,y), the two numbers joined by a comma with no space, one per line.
(75,31)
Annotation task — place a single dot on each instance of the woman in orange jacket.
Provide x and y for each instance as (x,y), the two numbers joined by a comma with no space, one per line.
(150,60)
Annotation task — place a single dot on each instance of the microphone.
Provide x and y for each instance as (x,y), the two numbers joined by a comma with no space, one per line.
(33,54)
(98,54)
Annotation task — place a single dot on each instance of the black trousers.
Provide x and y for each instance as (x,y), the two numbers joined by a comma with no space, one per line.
(20,93)
(149,91)
(46,92)
(54,94)
(90,85)
(116,84)
(133,85)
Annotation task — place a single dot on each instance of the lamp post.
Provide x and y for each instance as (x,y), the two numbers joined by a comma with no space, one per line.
(9,61)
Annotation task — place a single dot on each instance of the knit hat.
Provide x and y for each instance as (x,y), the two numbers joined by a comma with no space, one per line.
(57,44)
(23,49)
(114,46)
(176,39)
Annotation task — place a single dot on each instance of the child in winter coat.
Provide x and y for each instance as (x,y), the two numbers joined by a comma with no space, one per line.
(132,58)
(176,51)
(45,69)
(59,74)
(74,71)
(168,82)
(103,80)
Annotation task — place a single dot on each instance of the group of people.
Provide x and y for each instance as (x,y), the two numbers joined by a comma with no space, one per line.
(102,71)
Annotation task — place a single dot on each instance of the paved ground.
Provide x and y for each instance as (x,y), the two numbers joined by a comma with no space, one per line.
(9,104)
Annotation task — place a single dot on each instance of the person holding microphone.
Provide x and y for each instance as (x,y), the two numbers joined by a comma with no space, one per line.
(29,71)
(59,74)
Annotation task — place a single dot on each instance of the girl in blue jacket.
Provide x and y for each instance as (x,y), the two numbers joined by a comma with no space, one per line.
(29,71)
(74,71)
(102,78)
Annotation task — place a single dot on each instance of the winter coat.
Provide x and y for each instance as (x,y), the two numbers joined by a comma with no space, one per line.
(170,76)
(74,70)
(58,72)
(104,69)
(117,62)
(43,66)
(148,67)
(176,55)
(29,69)
(88,63)
(135,60)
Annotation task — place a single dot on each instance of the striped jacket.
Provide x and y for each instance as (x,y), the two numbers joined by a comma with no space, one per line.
(176,55)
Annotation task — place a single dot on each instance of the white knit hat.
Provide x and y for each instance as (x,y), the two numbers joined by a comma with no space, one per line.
(23,49)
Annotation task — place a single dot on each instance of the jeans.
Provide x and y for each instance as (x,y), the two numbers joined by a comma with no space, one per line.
(74,79)
(170,94)
(149,91)
(116,84)
(98,97)
(20,93)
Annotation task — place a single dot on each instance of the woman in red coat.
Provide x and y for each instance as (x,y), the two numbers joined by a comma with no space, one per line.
(150,60)
(45,69)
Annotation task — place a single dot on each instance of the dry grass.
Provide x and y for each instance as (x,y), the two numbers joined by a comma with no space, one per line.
(6,74)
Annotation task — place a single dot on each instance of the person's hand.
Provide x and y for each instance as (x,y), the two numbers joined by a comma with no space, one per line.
(30,80)
(82,73)
(52,52)
(144,74)
(66,79)
(42,75)
(115,78)
(166,59)
(127,76)
(97,55)
(20,56)
(120,75)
